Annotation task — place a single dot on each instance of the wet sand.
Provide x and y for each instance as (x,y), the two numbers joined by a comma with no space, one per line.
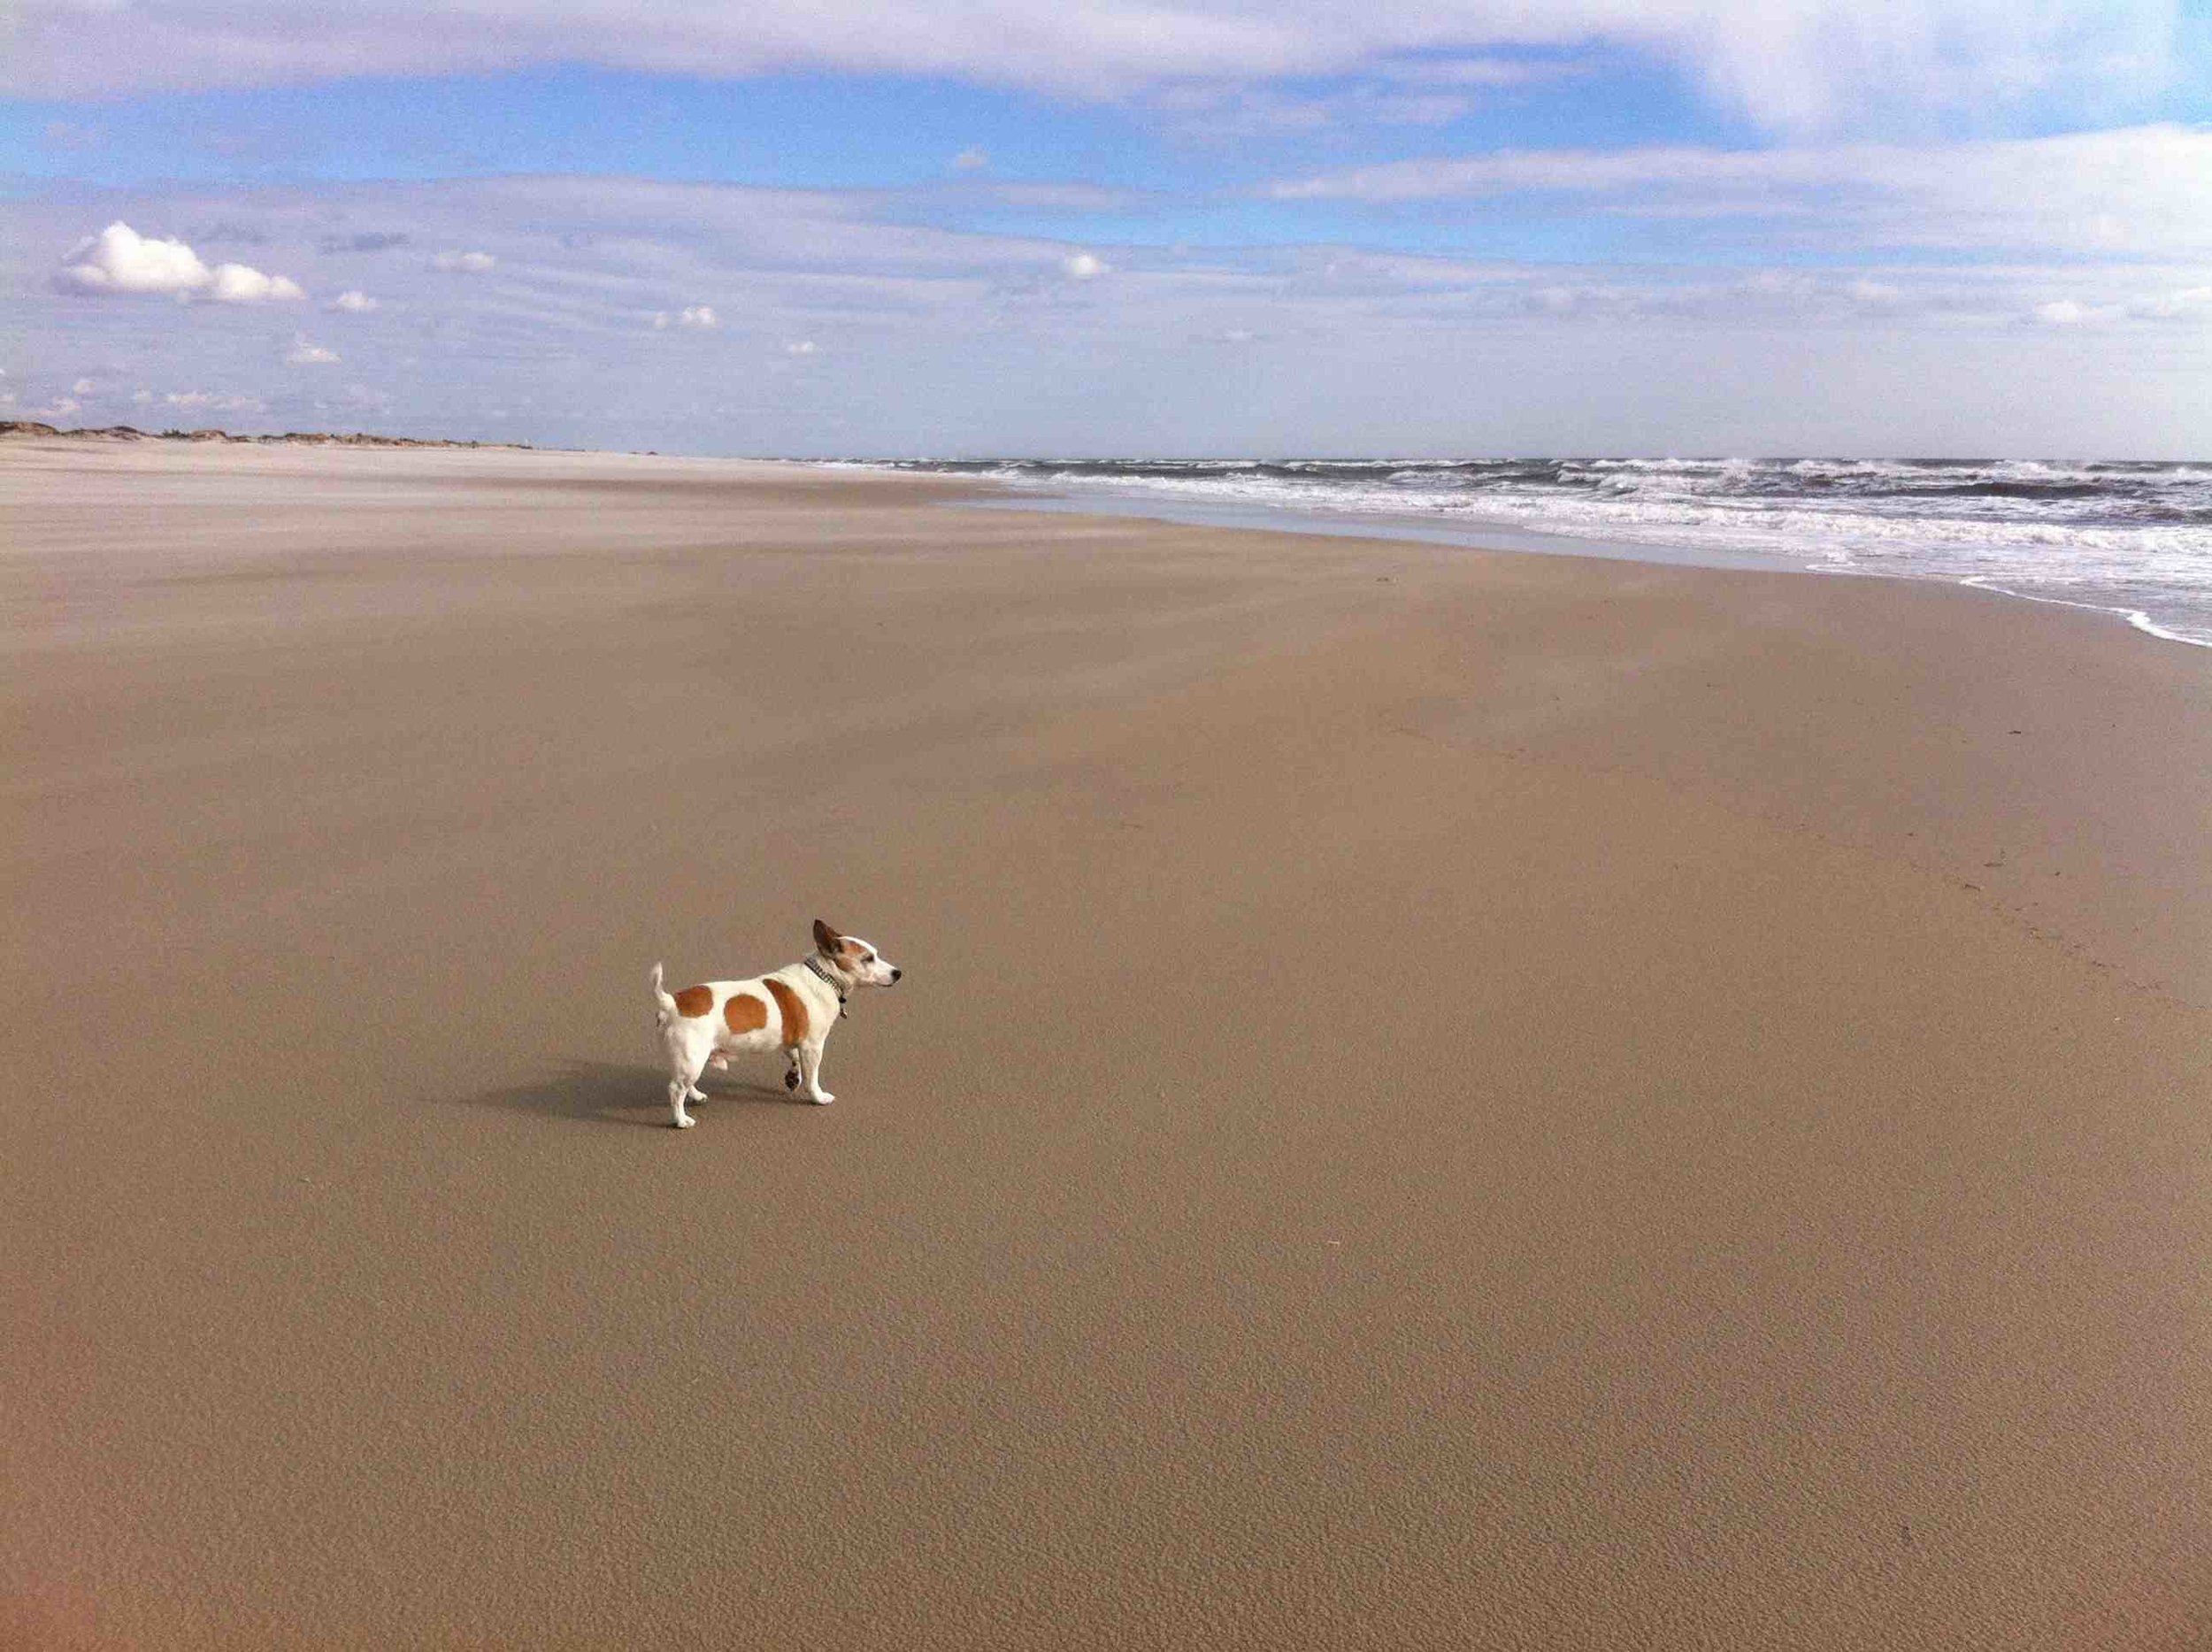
(1439,1099)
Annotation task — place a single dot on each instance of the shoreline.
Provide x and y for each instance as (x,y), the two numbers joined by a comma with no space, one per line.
(1478,535)
(1483,536)
(1439,1096)
(2136,619)
(1491,534)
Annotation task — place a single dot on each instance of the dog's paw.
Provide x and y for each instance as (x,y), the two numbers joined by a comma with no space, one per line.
(685,1122)
(821,1098)
(791,1079)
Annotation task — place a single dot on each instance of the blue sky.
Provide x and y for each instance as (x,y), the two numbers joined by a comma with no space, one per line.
(1413,226)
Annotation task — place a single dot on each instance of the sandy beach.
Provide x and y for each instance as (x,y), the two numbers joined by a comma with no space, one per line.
(1439,1099)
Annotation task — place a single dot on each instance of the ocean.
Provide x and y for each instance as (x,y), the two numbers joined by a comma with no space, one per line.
(2133,539)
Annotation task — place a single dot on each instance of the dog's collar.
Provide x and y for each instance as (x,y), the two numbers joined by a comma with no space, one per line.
(815,964)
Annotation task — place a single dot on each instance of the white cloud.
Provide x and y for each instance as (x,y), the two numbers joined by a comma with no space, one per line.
(971,159)
(119,260)
(83,387)
(2070,312)
(464,262)
(62,407)
(700,316)
(241,284)
(303,354)
(1084,266)
(1795,65)
(802,347)
(353,302)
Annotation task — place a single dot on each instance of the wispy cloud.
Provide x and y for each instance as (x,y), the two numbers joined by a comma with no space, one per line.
(1488,73)
(73,136)
(199,401)
(363,241)
(2143,189)
(1215,110)
(982,334)
(1790,66)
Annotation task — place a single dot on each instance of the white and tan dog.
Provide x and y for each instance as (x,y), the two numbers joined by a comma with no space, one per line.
(791,1009)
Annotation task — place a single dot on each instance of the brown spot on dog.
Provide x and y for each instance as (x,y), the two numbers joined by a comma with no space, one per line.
(745,1013)
(694,1001)
(794,1017)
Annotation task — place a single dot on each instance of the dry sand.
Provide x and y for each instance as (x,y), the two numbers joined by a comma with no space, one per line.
(1439,1099)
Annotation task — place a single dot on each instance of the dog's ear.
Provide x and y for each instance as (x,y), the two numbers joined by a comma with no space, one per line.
(824,937)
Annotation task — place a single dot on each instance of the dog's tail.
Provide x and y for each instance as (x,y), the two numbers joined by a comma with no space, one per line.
(667,1004)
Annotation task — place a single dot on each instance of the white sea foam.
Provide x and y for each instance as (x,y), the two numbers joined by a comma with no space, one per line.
(2131,538)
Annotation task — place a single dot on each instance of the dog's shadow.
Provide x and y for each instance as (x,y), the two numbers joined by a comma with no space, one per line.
(610,1093)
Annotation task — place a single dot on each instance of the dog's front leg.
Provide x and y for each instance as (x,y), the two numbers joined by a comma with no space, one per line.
(811,1074)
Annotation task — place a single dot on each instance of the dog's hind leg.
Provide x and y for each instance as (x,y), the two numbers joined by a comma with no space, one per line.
(683,1082)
